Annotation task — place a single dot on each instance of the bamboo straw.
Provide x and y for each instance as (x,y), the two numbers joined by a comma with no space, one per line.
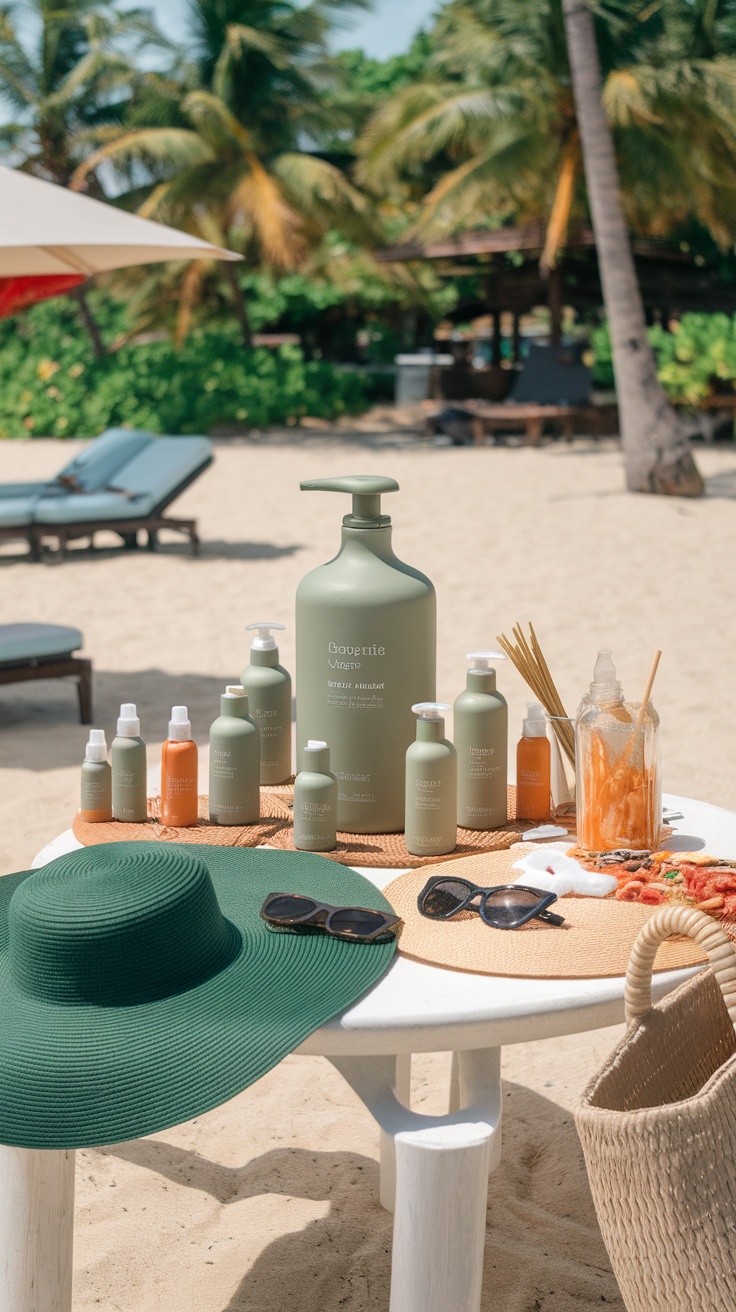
(527,655)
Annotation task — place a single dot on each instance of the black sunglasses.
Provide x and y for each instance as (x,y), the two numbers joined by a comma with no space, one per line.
(361,924)
(505,906)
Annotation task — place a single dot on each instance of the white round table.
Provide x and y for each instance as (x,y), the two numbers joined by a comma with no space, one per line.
(434,1170)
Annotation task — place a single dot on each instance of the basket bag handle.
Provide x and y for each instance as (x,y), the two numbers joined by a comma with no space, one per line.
(678,920)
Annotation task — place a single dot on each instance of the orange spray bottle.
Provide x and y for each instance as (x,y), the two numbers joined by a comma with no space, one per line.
(533,767)
(179,772)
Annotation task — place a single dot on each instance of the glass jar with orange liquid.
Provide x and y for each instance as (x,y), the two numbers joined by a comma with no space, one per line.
(619,783)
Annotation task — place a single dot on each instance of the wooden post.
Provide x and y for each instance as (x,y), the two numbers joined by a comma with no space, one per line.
(554,301)
(497,336)
(36,1230)
(440,1219)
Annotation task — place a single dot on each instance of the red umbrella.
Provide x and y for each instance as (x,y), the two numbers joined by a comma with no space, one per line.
(17,293)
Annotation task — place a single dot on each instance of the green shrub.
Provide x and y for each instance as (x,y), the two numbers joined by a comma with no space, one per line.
(51,384)
(697,358)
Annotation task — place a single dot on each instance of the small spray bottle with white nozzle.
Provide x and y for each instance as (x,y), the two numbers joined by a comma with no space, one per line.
(534,767)
(481,736)
(96,791)
(268,686)
(179,772)
(431,785)
(129,774)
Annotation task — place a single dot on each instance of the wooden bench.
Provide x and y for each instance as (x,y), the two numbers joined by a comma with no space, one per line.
(44,651)
(505,416)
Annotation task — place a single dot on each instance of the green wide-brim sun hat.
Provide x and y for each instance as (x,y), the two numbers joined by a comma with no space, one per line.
(139,986)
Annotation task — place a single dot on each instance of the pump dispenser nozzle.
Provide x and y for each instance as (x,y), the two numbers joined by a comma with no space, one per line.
(264,639)
(605,687)
(180,726)
(484,660)
(129,725)
(430,710)
(366,491)
(96,749)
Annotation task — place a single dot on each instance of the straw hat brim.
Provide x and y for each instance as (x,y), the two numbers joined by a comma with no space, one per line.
(78,1076)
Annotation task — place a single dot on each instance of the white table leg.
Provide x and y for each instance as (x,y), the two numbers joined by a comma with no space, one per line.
(36,1230)
(440,1219)
(386,1142)
(442,1165)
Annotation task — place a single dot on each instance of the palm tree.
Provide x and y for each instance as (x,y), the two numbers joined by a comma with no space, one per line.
(656,451)
(224,158)
(495,126)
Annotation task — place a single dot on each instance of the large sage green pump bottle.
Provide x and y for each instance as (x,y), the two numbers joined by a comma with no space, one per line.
(366,642)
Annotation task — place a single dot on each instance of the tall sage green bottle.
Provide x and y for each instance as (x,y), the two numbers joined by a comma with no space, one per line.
(268,686)
(129,773)
(235,762)
(480,730)
(315,801)
(431,785)
(365,651)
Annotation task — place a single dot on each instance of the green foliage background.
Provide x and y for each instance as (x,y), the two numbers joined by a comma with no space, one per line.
(695,359)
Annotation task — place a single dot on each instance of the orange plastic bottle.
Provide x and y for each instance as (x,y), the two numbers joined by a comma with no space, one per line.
(533,796)
(179,772)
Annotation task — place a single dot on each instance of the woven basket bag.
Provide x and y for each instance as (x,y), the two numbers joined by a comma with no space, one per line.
(658,1130)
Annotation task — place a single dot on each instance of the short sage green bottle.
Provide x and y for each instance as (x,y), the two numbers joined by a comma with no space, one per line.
(129,771)
(268,686)
(96,783)
(235,762)
(315,801)
(365,651)
(431,785)
(480,731)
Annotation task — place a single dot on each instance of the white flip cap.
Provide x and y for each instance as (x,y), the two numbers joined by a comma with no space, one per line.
(129,726)
(535,724)
(430,710)
(315,745)
(96,749)
(264,639)
(180,726)
(484,660)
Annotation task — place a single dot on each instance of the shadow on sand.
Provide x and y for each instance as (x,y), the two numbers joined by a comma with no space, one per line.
(543,1250)
(212,549)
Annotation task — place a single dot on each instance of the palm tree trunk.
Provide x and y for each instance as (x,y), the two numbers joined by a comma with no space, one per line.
(656,451)
(241,309)
(90,323)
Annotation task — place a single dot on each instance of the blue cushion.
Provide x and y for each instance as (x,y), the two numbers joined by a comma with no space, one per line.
(16,512)
(162,466)
(94,467)
(23,642)
(79,508)
(22,489)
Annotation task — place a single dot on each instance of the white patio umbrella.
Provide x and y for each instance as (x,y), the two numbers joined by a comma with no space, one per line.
(46,230)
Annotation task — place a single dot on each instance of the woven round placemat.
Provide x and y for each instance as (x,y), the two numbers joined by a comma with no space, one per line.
(595,941)
(386,850)
(153,830)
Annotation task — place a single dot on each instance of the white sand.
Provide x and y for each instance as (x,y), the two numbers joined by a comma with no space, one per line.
(270,1203)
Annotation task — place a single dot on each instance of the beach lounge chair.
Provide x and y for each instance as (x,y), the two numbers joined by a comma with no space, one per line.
(44,651)
(132,496)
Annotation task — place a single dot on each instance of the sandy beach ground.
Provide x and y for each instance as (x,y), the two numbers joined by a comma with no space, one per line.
(270,1203)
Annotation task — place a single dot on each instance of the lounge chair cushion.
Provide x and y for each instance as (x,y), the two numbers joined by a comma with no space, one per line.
(138,488)
(22,490)
(25,642)
(16,512)
(94,467)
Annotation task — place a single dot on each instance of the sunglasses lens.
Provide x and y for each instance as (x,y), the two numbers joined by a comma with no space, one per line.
(508,906)
(444,898)
(356,922)
(288,907)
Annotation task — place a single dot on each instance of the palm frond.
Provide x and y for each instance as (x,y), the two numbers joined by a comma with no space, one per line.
(167,148)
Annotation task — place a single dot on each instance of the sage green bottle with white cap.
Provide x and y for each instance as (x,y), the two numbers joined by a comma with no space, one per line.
(268,686)
(365,652)
(480,731)
(315,801)
(129,773)
(235,762)
(431,785)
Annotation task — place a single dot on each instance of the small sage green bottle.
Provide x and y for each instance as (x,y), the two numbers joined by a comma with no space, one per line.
(480,731)
(129,774)
(235,760)
(365,651)
(268,686)
(315,801)
(96,787)
(431,785)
